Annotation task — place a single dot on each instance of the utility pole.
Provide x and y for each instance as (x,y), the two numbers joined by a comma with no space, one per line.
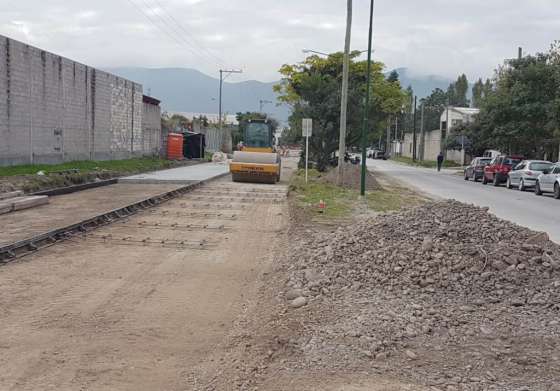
(227,72)
(422,135)
(414,132)
(366,104)
(344,93)
(387,152)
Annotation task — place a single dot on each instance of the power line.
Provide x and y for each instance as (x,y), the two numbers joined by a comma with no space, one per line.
(166,32)
(187,32)
(176,33)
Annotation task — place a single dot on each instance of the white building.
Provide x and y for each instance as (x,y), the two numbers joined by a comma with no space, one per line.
(457,116)
(434,140)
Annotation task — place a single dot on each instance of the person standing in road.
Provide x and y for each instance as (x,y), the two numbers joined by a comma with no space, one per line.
(439,161)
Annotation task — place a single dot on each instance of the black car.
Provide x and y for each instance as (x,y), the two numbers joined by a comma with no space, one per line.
(475,170)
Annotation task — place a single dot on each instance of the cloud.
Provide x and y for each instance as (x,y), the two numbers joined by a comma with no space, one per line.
(431,37)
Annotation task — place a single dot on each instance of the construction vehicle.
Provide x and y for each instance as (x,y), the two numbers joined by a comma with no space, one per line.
(257,159)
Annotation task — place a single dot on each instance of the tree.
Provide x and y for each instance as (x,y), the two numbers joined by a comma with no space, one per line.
(477,93)
(175,122)
(393,76)
(457,92)
(521,113)
(312,89)
(434,105)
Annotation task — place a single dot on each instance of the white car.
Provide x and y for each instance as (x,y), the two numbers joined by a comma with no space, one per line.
(549,181)
(525,174)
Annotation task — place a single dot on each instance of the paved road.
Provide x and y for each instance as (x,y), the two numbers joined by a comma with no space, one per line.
(538,213)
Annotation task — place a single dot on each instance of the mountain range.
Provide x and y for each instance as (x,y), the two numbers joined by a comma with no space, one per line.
(186,90)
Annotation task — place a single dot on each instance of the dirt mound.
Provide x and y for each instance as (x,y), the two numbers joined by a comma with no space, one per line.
(352,177)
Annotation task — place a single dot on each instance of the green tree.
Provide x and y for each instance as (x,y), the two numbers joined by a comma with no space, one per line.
(312,89)
(434,105)
(393,76)
(521,114)
(477,93)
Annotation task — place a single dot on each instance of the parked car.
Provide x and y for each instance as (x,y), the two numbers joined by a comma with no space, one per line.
(475,170)
(498,169)
(525,174)
(549,181)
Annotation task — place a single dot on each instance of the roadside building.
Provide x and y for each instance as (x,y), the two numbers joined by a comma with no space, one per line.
(435,140)
(53,109)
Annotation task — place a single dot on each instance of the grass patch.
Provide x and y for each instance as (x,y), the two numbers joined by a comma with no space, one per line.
(342,202)
(124,166)
(424,163)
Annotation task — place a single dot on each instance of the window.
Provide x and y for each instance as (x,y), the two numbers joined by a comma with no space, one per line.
(455,122)
(520,166)
(540,166)
(556,170)
(258,135)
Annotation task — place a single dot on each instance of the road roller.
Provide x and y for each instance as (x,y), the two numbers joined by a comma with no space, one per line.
(257,160)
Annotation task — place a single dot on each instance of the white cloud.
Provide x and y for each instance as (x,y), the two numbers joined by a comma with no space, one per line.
(432,36)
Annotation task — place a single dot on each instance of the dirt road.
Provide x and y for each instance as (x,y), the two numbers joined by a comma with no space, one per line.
(134,305)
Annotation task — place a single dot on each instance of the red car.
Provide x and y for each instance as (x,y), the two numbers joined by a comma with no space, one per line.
(497,171)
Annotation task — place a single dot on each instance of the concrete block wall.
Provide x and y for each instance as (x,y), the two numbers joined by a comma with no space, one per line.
(53,109)
(432,144)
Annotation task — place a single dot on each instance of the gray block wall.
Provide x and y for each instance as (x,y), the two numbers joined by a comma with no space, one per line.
(53,109)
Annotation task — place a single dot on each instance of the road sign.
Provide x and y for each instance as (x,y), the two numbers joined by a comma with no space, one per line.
(307,126)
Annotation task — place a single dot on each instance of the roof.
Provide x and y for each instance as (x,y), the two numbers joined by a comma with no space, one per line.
(150,100)
(466,110)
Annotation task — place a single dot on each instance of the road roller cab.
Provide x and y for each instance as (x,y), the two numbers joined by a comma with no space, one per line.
(257,161)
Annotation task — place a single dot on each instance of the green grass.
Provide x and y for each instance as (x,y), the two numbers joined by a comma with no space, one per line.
(124,166)
(424,163)
(342,202)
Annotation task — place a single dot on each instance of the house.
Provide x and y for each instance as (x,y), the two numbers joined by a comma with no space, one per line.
(456,116)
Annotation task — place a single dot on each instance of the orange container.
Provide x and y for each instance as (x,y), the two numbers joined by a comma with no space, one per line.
(175,146)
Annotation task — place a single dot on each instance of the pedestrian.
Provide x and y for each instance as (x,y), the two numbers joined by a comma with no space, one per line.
(439,161)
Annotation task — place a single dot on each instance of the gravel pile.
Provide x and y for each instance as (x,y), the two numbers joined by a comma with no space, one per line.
(443,247)
(446,295)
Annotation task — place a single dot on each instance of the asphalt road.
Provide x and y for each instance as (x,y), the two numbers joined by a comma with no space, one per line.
(524,208)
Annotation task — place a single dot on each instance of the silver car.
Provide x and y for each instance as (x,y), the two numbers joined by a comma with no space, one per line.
(525,174)
(549,181)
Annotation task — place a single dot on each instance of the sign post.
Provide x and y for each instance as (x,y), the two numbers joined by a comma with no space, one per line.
(307,125)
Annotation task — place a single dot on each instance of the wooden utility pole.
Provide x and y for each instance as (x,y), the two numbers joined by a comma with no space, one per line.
(344,93)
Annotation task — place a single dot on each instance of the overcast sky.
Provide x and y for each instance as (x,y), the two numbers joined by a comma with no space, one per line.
(442,37)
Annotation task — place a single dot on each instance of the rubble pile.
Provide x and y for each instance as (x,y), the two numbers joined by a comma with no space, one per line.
(444,294)
(446,247)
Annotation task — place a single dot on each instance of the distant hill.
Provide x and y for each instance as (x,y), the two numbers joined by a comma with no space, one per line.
(422,85)
(188,90)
